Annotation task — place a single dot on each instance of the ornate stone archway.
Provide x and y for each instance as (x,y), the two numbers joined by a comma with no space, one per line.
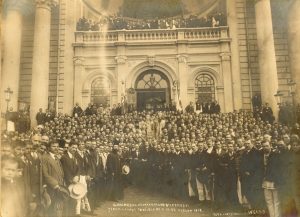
(153,90)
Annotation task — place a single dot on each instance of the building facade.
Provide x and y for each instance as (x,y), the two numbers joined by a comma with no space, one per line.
(46,63)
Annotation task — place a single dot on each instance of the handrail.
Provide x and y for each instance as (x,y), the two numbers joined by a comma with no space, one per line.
(206,33)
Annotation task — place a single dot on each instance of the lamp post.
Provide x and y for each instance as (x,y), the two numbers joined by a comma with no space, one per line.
(292,91)
(8,93)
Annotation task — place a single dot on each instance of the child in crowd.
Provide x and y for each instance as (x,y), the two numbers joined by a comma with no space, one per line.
(12,193)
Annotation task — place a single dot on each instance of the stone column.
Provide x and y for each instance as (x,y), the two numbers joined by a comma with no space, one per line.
(41,56)
(11,53)
(228,87)
(294,44)
(121,79)
(78,74)
(235,55)
(266,53)
(183,82)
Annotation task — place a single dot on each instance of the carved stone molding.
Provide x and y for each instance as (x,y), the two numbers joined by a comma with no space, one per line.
(78,61)
(182,58)
(121,59)
(46,3)
(151,61)
(225,56)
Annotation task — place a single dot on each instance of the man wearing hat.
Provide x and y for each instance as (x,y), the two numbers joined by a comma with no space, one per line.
(53,177)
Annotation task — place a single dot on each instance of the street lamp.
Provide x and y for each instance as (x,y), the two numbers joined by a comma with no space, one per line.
(292,91)
(278,97)
(292,88)
(8,93)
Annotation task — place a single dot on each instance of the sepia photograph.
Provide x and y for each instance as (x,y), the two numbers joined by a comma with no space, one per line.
(155,108)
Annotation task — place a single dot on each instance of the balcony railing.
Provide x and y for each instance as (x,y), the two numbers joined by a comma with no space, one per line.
(158,35)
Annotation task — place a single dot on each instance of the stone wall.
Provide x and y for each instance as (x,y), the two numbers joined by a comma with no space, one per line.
(248,48)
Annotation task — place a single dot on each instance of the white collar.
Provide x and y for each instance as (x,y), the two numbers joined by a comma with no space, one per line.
(52,155)
(70,155)
(209,150)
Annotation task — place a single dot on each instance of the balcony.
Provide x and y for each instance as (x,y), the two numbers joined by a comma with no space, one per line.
(204,35)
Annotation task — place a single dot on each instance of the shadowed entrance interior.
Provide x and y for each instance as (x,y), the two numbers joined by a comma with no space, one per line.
(153,90)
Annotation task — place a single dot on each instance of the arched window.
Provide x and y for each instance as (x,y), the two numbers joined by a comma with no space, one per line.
(100,91)
(152,90)
(204,88)
(152,79)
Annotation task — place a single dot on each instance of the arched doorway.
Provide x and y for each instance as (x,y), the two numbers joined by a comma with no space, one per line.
(152,89)
(205,89)
(100,92)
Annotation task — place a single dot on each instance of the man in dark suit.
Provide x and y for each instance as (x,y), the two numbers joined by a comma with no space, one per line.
(35,170)
(267,114)
(190,108)
(24,166)
(71,172)
(70,165)
(136,168)
(89,110)
(101,175)
(251,173)
(53,177)
(77,110)
(114,174)
(287,159)
(271,179)
(94,171)
(40,117)
(227,171)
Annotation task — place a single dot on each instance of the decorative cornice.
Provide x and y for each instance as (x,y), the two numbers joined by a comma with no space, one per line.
(121,59)
(48,4)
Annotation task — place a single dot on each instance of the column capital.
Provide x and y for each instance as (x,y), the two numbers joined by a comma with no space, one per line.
(182,58)
(78,61)
(121,59)
(48,4)
(25,7)
(225,56)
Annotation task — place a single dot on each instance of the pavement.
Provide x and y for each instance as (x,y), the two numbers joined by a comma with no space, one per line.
(139,202)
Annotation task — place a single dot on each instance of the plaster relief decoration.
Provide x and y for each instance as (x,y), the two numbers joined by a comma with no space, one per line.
(151,61)
(78,61)
(182,58)
(48,3)
(225,56)
(121,59)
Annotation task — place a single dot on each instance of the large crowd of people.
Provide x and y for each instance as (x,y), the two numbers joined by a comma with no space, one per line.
(121,23)
(71,164)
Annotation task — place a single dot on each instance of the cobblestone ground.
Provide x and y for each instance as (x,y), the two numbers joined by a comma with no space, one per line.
(139,202)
